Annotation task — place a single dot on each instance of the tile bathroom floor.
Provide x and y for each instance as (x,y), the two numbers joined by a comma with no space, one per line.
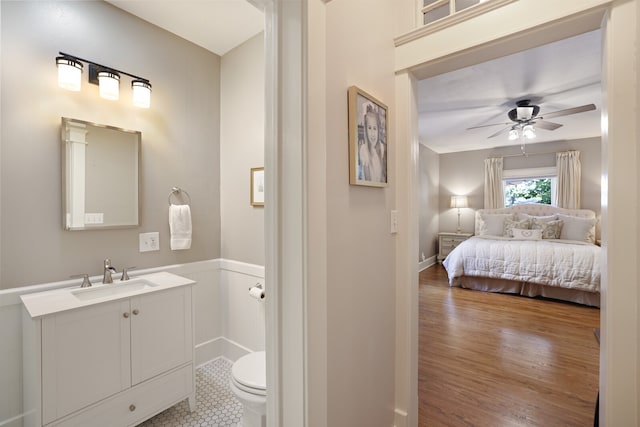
(216,405)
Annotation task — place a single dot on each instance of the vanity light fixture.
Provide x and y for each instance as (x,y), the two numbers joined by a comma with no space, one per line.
(141,93)
(70,72)
(109,85)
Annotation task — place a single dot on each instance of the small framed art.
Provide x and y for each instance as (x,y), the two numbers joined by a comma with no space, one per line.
(367,139)
(257,186)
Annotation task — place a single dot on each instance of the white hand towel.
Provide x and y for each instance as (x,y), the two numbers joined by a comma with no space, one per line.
(180,226)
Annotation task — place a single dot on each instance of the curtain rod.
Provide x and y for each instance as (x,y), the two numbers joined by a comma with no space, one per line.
(541,153)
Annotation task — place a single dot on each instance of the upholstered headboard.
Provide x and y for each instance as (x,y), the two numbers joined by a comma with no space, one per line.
(534,209)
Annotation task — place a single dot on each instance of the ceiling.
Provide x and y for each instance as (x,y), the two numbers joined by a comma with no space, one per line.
(216,25)
(556,76)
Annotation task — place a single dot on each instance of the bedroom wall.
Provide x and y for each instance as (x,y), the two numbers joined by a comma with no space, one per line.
(429,170)
(463,173)
(180,137)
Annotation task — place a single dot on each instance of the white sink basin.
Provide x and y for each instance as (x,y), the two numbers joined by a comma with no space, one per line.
(112,290)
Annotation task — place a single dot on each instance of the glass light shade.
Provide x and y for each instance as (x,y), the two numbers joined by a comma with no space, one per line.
(459,202)
(109,85)
(513,134)
(69,73)
(141,93)
(528,132)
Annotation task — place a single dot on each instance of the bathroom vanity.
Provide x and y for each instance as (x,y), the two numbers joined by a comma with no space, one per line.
(108,355)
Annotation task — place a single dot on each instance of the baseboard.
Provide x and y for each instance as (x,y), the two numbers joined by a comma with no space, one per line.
(401,419)
(219,347)
(427,263)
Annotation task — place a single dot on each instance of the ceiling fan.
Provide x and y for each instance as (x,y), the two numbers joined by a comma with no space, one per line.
(525,116)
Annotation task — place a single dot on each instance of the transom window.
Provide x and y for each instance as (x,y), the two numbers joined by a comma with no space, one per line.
(529,186)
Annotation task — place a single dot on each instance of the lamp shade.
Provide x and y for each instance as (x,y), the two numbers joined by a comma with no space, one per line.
(459,202)
(141,93)
(109,85)
(69,73)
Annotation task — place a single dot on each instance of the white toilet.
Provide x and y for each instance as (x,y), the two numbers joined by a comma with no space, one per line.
(248,383)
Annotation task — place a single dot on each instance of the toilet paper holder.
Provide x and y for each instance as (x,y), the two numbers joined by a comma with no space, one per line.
(258,285)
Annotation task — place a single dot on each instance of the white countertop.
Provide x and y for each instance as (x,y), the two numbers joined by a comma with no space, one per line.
(49,302)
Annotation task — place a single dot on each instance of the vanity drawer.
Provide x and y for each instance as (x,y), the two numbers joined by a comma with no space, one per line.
(133,406)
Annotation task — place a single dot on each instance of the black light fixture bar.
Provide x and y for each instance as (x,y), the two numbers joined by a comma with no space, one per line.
(94,68)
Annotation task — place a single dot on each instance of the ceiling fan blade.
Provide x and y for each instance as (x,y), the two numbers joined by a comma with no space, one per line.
(546,125)
(575,110)
(484,126)
(507,129)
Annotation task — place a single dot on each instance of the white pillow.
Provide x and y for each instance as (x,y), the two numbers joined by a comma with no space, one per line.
(493,224)
(580,229)
(524,234)
(510,224)
(548,218)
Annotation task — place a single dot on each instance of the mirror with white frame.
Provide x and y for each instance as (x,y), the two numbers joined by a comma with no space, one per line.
(100,176)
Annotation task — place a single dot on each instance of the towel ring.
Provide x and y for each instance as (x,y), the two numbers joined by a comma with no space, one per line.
(175,191)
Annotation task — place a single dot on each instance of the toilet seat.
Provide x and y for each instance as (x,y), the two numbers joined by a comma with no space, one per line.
(249,373)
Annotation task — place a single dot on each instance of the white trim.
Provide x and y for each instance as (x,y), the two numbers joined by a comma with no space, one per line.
(427,263)
(449,21)
(401,419)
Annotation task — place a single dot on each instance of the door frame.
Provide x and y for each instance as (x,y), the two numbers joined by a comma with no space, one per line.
(619,380)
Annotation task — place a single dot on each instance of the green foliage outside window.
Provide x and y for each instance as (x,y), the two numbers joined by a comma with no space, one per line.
(527,191)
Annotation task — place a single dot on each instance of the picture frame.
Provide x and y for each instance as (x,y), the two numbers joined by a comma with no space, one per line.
(368,134)
(257,187)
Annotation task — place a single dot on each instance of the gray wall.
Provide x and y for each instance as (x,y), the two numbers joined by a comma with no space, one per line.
(360,251)
(463,173)
(429,170)
(180,137)
(242,148)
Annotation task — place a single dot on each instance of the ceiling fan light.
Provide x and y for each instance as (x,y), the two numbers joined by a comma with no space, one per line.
(529,132)
(513,135)
(524,113)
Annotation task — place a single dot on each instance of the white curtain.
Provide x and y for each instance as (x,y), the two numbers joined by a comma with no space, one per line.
(569,175)
(493,193)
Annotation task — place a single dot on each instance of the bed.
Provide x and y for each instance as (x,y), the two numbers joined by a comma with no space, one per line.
(531,250)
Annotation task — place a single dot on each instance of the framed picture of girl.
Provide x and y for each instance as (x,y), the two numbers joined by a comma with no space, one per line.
(367,139)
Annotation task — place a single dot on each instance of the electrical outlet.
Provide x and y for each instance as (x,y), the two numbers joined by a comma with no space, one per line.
(149,241)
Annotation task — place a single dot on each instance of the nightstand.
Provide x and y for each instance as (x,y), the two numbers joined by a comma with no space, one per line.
(448,241)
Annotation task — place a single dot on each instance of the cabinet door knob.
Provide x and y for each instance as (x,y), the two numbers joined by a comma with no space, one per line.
(135,312)
(132,408)
(125,315)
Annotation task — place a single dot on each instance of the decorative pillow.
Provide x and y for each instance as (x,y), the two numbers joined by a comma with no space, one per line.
(548,218)
(510,224)
(493,224)
(550,229)
(580,229)
(525,234)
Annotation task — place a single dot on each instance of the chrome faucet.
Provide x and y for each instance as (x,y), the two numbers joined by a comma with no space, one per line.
(108,269)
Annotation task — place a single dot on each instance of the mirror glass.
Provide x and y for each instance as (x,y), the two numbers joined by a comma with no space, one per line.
(100,176)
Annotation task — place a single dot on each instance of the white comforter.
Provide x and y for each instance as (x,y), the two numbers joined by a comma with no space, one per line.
(562,263)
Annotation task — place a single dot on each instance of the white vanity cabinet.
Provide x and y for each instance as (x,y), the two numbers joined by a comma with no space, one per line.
(112,363)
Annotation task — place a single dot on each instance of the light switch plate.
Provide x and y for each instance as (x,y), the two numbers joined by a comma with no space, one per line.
(149,241)
(394,222)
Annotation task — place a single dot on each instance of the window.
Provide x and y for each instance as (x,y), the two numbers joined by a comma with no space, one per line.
(529,186)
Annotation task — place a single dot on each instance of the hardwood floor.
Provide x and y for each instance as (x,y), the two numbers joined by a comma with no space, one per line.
(493,360)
